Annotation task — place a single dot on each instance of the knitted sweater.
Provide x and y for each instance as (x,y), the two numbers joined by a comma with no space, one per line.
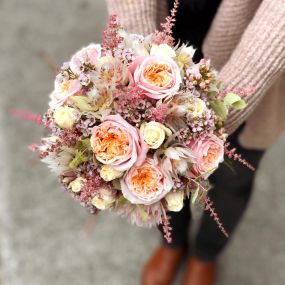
(247,43)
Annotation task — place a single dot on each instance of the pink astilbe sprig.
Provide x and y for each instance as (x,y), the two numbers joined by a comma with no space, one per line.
(166,35)
(111,38)
(231,153)
(209,207)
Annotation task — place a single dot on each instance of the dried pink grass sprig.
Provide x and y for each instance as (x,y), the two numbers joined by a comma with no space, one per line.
(209,206)
(231,153)
(242,92)
(27,116)
(167,229)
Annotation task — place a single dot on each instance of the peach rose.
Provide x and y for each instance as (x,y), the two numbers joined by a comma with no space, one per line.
(145,184)
(158,76)
(209,152)
(116,143)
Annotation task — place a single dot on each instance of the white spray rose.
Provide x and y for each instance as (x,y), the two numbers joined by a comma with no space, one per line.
(174,201)
(77,184)
(154,134)
(108,173)
(65,117)
(105,200)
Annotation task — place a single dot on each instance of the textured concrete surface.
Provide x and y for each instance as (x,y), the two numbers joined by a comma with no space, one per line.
(40,226)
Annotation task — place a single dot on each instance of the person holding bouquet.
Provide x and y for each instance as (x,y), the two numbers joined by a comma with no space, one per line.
(245,41)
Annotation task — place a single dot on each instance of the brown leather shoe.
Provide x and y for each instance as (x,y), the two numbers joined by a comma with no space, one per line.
(199,272)
(162,266)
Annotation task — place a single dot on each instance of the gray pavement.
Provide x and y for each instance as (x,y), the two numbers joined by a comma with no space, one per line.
(40,241)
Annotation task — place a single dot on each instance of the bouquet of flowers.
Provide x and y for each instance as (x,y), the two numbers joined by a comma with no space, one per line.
(136,126)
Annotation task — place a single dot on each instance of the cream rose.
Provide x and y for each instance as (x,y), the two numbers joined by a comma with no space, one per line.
(65,117)
(174,201)
(77,184)
(108,173)
(105,199)
(154,134)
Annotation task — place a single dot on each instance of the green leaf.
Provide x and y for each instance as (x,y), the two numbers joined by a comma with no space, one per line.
(231,98)
(79,158)
(241,104)
(220,108)
(235,101)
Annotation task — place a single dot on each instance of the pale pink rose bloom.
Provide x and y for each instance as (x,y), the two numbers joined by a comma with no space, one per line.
(62,91)
(88,55)
(146,184)
(158,76)
(117,143)
(209,153)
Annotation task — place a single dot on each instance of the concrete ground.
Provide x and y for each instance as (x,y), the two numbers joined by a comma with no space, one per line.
(40,226)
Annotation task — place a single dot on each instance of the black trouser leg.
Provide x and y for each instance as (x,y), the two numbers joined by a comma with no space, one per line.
(179,222)
(230,194)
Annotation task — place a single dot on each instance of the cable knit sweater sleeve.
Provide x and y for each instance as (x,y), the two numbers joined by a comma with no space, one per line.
(231,20)
(137,16)
(258,59)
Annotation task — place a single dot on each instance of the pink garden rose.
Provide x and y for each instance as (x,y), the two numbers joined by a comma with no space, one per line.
(158,76)
(118,144)
(209,152)
(145,184)
(87,55)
